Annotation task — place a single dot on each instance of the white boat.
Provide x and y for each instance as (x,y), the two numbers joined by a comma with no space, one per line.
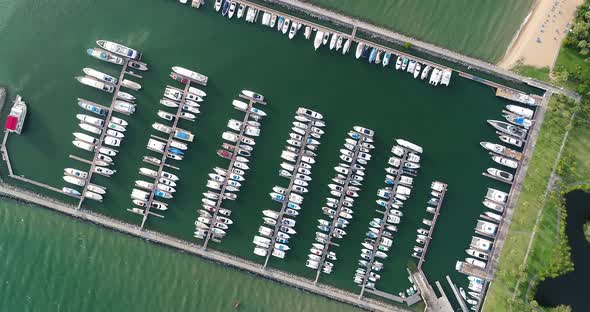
(293,30)
(317,41)
(197,92)
(70,191)
(90,128)
(232,9)
(99,75)
(511,140)
(500,174)
(93,195)
(253,95)
(130,84)
(510,163)
(85,137)
(217,5)
(124,107)
(346,46)
(409,145)
(359,50)
(446,77)
(240,12)
(425,72)
(190,74)
(333,41)
(519,110)
(119,49)
(84,145)
(76,173)
(125,96)
(91,82)
(286,25)
(417,70)
(307,32)
(74,180)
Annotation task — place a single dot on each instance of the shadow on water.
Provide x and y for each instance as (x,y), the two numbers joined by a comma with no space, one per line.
(571,289)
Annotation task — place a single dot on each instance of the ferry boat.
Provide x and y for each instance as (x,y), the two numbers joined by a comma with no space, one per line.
(119,49)
(16,117)
(104,56)
(99,75)
(91,82)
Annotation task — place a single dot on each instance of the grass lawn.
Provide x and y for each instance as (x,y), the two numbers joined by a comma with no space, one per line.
(578,145)
(529,202)
(533,72)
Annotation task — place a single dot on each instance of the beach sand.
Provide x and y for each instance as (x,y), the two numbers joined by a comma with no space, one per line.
(539,38)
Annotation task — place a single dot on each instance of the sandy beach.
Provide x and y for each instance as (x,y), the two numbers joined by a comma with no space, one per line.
(538,41)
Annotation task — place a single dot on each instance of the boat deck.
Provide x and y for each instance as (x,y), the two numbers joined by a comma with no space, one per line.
(339,207)
(234,155)
(284,204)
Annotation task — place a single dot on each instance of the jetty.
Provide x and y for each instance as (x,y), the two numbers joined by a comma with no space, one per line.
(103,133)
(339,205)
(234,154)
(284,205)
(431,229)
(386,215)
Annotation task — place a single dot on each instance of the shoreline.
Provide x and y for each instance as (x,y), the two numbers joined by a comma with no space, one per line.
(538,40)
(243,265)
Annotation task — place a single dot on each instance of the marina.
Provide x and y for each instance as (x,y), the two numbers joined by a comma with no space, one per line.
(340,109)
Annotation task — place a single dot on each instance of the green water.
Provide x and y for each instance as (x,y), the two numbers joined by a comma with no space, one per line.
(482,29)
(52,263)
(44,46)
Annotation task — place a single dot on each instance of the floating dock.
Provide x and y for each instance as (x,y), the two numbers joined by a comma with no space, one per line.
(234,155)
(284,204)
(386,214)
(431,230)
(339,206)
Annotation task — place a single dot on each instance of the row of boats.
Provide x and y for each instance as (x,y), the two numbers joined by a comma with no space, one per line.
(162,184)
(299,157)
(512,132)
(335,41)
(101,132)
(213,220)
(338,209)
(402,167)
(438,191)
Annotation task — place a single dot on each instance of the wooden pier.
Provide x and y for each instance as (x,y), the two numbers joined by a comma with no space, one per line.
(386,213)
(302,152)
(165,152)
(339,206)
(457,295)
(103,133)
(234,155)
(431,230)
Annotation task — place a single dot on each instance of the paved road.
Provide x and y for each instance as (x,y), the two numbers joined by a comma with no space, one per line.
(236,262)
(420,45)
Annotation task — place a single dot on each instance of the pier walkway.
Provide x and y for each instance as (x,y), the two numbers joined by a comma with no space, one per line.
(103,133)
(150,200)
(339,206)
(431,230)
(232,161)
(433,302)
(284,204)
(235,262)
(389,35)
(386,214)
